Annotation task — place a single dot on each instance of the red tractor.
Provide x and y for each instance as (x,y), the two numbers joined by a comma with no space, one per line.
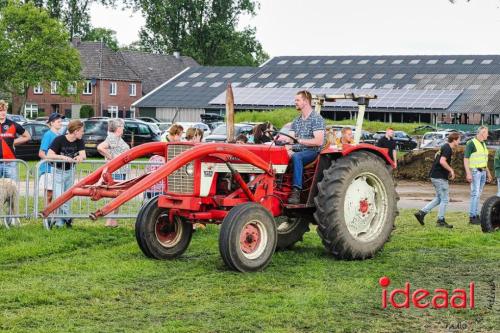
(348,193)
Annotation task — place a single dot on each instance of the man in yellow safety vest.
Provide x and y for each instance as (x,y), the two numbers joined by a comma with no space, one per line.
(476,169)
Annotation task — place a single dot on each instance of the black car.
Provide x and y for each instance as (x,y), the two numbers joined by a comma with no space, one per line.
(403,141)
(29,150)
(136,132)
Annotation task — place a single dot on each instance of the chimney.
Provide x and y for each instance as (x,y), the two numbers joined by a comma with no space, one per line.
(76,40)
(177,54)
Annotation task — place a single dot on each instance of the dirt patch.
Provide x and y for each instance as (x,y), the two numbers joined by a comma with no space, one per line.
(416,165)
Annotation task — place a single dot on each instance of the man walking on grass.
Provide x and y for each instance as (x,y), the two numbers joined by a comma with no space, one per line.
(441,171)
(476,169)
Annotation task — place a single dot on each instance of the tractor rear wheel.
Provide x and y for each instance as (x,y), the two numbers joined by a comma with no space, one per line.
(356,206)
(248,238)
(490,214)
(157,236)
(290,231)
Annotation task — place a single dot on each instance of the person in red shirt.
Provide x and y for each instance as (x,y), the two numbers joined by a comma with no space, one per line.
(9,130)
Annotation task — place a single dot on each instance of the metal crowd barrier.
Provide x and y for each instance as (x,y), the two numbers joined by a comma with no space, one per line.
(24,192)
(14,192)
(63,175)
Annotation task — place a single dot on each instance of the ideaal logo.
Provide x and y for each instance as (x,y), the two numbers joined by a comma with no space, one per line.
(423,298)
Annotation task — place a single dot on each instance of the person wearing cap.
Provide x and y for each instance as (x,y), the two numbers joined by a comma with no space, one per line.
(45,179)
(11,134)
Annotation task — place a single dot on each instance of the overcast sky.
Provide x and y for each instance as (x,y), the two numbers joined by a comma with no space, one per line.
(355,27)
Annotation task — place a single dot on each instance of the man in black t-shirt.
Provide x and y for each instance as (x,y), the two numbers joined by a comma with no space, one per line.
(388,142)
(440,172)
(69,148)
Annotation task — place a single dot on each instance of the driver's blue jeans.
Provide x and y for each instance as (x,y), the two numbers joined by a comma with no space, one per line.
(299,159)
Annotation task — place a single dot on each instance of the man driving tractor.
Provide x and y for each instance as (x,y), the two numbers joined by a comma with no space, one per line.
(309,130)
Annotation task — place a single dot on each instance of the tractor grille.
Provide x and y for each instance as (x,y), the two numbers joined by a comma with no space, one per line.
(179,181)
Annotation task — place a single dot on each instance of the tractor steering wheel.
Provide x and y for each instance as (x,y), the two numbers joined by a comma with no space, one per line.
(275,133)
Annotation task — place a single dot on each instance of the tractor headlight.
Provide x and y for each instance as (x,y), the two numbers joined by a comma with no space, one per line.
(189,169)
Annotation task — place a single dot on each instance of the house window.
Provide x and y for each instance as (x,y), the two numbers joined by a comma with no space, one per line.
(320,76)
(449,62)
(181,84)
(54,87)
(308,85)
(347,85)
(468,61)
(38,90)
(229,75)
(486,62)
(112,88)
(414,61)
(330,62)
(298,62)
(339,76)
(398,76)
(264,75)
(283,76)
(212,75)
(380,62)
(346,62)
(363,62)
(313,62)
(397,61)
(388,86)
(246,75)
(199,84)
(290,84)
(328,85)
(252,84)
(132,89)
(87,88)
(378,76)
(194,75)
(358,76)
(216,84)
(30,109)
(72,88)
(301,75)
(432,62)
(113,111)
(367,85)
(409,86)
(282,62)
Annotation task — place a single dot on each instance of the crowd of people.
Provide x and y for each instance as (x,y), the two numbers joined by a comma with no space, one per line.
(307,137)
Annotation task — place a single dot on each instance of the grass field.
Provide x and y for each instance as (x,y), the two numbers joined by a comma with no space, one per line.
(93,279)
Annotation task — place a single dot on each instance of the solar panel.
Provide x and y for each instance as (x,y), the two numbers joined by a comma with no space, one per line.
(387,98)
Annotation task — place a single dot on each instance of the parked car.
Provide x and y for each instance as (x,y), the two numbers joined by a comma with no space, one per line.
(220,135)
(17,118)
(162,125)
(186,125)
(136,132)
(29,150)
(403,141)
(212,120)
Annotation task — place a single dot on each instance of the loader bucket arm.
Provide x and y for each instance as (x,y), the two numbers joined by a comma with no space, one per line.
(83,189)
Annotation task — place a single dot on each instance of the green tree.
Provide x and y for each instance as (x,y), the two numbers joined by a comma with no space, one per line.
(203,29)
(108,37)
(34,49)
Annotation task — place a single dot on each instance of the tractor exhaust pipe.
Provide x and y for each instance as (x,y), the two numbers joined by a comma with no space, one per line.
(230,114)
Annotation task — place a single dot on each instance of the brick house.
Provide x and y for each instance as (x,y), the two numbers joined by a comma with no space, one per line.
(113,81)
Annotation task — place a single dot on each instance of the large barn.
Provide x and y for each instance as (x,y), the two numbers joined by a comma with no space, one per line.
(458,89)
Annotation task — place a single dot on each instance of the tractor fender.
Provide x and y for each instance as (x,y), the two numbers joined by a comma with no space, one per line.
(327,156)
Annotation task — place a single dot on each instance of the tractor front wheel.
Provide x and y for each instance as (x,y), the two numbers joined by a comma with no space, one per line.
(248,238)
(157,236)
(356,206)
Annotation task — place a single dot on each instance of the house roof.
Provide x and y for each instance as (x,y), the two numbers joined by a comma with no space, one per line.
(477,77)
(155,69)
(99,61)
